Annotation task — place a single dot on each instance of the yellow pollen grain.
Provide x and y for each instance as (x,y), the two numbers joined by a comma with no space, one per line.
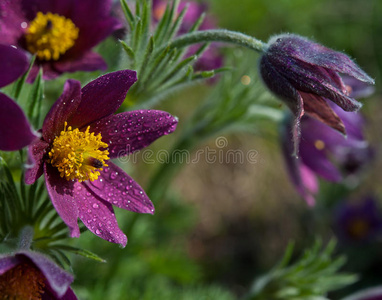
(50,35)
(22,282)
(245,79)
(77,154)
(320,145)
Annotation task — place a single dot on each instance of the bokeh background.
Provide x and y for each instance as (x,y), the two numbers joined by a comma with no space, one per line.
(222,224)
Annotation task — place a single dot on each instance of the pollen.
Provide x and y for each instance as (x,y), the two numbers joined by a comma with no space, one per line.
(50,35)
(320,145)
(22,282)
(78,154)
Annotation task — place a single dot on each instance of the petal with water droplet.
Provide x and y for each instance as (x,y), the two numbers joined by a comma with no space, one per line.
(100,220)
(134,198)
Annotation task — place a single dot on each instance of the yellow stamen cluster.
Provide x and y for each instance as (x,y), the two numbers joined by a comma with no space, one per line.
(22,282)
(77,154)
(50,36)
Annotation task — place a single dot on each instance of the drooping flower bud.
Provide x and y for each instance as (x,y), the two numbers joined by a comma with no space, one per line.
(304,75)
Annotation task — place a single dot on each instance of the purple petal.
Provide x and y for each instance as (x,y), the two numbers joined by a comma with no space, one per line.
(313,79)
(7,263)
(102,97)
(61,194)
(36,152)
(69,295)
(119,189)
(32,7)
(319,109)
(303,179)
(309,186)
(98,216)
(88,61)
(318,162)
(131,131)
(316,54)
(10,21)
(283,89)
(15,130)
(62,110)
(373,293)
(58,279)
(13,63)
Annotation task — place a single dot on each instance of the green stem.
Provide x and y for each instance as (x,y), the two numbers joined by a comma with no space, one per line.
(216,35)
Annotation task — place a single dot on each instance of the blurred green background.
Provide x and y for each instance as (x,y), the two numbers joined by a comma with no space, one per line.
(221,225)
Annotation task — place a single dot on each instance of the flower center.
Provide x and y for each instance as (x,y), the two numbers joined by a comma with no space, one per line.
(50,35)
(77,154)
(22,282)
(359,228)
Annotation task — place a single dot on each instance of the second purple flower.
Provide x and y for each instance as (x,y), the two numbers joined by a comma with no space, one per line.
(304,75)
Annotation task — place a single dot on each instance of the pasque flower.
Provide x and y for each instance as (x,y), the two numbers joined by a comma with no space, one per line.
(31,275)
(325,152)
(358,222)
(58,32)
(79,136)
(304,75)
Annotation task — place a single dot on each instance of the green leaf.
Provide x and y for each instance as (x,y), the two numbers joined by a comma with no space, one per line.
(85,253)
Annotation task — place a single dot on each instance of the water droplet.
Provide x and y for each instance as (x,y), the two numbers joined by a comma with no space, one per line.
(98,231)
(113,175)
(95,205)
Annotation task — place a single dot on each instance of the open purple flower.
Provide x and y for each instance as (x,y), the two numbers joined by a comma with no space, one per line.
(58,32)
(304,75)
(15,130)
(325,152)
(31,275)
(358,222)
(13,63)
(212,57)
(79,136)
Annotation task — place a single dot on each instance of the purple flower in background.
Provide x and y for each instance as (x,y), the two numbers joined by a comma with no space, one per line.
(79,136)
(358,222)
(13,63)
(31,275)
(373,293)
(15,130)
(58,32)
(304,75)
(211,58)
(325,152)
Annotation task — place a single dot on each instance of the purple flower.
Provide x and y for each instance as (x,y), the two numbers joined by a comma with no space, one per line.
(15,130)
(325,152)
(211,58)
(58,32)
(358,222)
(13,63)
(79,136)
(31,275)
(304,75)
